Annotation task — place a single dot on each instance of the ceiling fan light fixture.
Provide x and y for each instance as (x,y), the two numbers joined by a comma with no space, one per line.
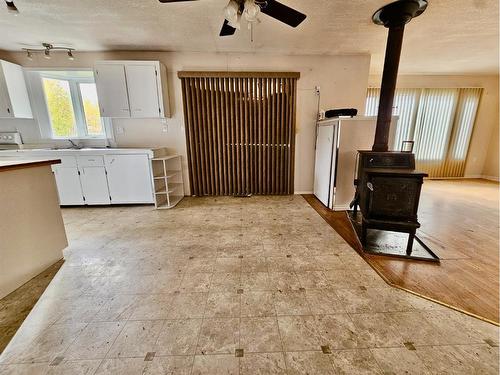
(231,12)
(251,11)
(237,23)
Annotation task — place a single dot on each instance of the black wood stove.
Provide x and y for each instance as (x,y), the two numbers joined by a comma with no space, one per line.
(387,185)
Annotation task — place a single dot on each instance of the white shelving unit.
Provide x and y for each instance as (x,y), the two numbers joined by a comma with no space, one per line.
(167,181)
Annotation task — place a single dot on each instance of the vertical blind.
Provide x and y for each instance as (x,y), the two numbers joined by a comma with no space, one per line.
(240,131)
(439,120)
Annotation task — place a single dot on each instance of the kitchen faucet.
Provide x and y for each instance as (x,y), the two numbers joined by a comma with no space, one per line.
(74,145)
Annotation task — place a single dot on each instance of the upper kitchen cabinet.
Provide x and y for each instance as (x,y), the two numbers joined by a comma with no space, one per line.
(132,89)
(14,100)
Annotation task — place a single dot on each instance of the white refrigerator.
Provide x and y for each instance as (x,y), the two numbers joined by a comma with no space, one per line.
(337,143)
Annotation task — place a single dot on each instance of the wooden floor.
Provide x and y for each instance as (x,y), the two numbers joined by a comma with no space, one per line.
(16,306)
(460,223)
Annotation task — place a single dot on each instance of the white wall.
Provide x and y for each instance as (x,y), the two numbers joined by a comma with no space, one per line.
(487,115)
(343,81)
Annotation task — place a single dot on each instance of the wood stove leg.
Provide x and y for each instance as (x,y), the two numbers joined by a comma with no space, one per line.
(409,246)
(364,230)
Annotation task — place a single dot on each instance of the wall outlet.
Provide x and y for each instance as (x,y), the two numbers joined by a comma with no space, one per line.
(317,89)
(164,129)
(120,130)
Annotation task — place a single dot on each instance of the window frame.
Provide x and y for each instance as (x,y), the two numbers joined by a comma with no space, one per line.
(77,102)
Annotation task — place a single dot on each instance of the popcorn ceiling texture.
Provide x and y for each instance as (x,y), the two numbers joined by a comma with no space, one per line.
(452,36)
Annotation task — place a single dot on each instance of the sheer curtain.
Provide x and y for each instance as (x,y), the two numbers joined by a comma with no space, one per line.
(439,120)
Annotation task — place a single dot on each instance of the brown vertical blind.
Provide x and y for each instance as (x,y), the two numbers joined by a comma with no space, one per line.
(240,131)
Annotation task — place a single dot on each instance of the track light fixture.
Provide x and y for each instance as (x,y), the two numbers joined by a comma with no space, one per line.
(11,7)
(47,48)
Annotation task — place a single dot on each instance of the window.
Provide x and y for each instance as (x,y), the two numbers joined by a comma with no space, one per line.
(71,104)
(440,121)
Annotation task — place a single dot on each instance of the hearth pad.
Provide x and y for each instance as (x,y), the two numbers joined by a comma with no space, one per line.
(393,244)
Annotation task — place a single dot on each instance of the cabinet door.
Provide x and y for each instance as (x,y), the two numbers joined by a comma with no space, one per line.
(129,178)
(94,185)
(5,107)
(112,90)
(68,186)
(20,106)
(142,83)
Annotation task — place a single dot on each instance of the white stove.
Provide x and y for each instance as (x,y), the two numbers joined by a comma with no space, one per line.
(10,141)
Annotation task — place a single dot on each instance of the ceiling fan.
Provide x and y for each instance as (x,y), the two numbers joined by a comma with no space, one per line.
(250,9)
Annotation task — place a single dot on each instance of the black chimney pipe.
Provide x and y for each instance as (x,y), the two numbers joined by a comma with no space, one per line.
(394,16)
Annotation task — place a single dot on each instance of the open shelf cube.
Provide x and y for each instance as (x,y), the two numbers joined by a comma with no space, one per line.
(167,181)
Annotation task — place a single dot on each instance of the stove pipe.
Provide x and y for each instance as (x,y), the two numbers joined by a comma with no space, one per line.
(394,16)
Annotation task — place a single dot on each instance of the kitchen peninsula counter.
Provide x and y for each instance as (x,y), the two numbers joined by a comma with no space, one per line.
(32,235)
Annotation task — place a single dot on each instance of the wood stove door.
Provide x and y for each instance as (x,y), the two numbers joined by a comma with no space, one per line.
(393,197)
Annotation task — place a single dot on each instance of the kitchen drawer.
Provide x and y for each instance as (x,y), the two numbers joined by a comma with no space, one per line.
(66,161)
(90,161)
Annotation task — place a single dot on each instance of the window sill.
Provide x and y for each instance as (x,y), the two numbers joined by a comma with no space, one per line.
(79,139)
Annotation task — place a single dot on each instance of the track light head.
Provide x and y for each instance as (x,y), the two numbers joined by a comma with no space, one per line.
(46,53)
(11,7)
(70,55)
(29,55)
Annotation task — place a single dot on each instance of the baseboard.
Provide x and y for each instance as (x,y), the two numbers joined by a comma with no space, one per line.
(303,192)
(341,207)
(468,177)
(491,178)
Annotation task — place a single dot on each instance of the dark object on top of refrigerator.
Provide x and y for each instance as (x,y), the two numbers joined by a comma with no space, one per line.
(351,112)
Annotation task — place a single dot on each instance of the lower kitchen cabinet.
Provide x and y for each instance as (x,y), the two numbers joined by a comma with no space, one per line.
(129,178)
(94,185)
(68,185)
(104,179)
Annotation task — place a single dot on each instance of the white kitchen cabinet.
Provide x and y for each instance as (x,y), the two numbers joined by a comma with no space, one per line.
(142,90)
(94,185)
(142,83)
(111,87)
(129,178)
(14,100)
(106,176)
(68,185)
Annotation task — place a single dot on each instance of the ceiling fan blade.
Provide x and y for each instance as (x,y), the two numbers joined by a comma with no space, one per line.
(174,1)
(226,29)
(283,13)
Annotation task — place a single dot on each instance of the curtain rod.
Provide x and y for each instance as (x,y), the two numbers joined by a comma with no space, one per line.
(230,74)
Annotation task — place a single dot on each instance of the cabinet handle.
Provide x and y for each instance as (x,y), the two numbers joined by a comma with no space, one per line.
(8,110)
(125,109)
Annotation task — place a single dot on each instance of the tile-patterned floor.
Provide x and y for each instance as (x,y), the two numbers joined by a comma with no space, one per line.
(257,285)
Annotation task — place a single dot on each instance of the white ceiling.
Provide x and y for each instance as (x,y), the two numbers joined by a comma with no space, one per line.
(452,36)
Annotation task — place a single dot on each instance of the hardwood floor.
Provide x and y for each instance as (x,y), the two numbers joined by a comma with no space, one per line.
(460,223)
(16,306)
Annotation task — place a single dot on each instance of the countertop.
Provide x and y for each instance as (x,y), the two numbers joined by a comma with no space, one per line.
(12,164)
(83,151)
